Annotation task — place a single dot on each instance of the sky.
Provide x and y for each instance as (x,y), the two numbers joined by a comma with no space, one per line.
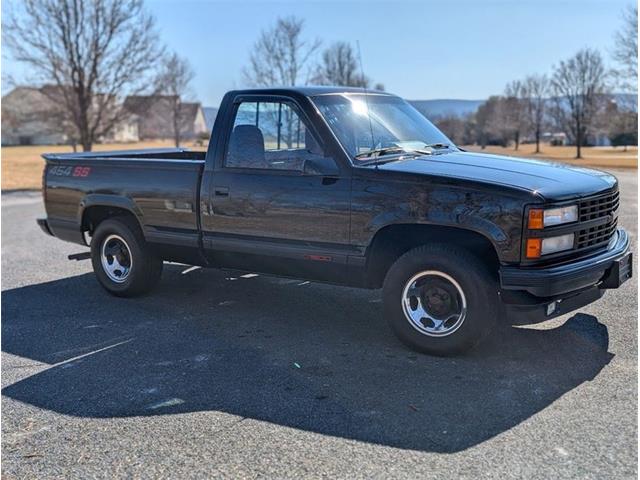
(460,49)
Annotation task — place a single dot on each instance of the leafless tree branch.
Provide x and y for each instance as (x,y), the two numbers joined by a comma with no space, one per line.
(339,66)
(174,82)
(578,85)
(91,51)
(281,56)
(625,52)
(536,90)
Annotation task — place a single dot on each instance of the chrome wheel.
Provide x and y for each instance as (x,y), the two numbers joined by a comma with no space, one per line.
(116,258)
(434,303)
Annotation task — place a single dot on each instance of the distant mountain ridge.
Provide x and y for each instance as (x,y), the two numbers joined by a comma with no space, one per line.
(446,107)
(438,108)
(429,108)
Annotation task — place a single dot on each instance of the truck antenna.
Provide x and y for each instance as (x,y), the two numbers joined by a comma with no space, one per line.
(366,97)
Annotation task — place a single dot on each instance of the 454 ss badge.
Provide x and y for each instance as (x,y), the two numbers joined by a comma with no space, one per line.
(62,171)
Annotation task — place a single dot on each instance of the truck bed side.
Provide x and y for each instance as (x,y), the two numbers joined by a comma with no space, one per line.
(159,187)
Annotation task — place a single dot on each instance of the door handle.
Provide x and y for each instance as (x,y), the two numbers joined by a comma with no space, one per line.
(221,191)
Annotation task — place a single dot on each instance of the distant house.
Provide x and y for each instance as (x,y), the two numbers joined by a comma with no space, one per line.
(35,116)
(125,131)
(154,115)
(29,117)
(210,114)
(598,138)
(555,138)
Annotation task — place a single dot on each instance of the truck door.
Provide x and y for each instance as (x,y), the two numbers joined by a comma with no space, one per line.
(277,203)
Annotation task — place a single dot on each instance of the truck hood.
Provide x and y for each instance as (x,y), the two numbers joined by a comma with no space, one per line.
(552,181)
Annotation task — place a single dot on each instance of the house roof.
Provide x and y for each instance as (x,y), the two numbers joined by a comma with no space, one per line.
(189,110)
(138,104)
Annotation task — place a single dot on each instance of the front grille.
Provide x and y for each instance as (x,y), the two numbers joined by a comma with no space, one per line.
(594,208)
(600,206)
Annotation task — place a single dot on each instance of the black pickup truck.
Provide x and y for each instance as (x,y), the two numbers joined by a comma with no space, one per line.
(354,188)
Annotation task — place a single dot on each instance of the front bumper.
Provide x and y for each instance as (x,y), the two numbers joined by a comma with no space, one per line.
(570,277)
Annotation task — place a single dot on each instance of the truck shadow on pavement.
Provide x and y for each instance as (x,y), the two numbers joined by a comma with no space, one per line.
(298,354)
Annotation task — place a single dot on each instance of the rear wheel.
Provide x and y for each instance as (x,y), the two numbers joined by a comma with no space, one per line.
(122,261)
(440,299)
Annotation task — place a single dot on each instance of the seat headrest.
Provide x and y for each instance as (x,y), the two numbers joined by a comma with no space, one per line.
(246,147)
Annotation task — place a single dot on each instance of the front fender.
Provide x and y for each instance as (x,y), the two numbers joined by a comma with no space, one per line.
(496,217)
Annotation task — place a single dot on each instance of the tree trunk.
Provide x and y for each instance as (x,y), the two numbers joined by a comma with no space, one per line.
(537,141)
(176,123)
(579,144)
(82,122)
(85,141)
(578,139)
(517,140)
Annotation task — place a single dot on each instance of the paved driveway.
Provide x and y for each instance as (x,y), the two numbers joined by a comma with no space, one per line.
(221,375)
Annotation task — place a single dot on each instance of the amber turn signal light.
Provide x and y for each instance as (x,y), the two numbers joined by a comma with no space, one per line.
(536,219)
(534,247)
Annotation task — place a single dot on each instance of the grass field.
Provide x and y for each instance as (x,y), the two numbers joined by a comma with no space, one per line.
(22,166)
(598,157)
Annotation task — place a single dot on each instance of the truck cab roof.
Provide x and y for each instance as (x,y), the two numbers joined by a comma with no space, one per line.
(308,91)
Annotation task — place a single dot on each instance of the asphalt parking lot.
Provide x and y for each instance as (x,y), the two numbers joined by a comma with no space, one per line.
(222,375)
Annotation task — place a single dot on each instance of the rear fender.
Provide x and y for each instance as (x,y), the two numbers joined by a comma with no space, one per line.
(108,200)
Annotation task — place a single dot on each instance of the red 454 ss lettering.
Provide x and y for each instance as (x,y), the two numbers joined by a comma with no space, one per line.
(81,171)
(62,171)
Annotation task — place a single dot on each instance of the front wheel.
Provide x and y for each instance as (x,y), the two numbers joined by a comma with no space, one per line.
(440,299)
(122,261)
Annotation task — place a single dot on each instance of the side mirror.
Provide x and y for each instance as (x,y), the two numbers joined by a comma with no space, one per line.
(320,167)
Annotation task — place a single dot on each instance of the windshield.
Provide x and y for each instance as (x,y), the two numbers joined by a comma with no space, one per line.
(378,125)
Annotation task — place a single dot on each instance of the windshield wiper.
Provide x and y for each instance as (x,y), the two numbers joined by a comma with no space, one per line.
(378,161)
(437,145)
(378,152)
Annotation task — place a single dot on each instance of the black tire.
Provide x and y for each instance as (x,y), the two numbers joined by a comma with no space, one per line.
(145,268)
(478,286)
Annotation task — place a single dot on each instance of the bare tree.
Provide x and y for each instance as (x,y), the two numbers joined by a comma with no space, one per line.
(626,50)
(492,122)
(514,110)
(622,125)
(91,51)
(536,91)
(618,121)
(174,82)
(578,85)
(339,66)
(454,127)
(281,56)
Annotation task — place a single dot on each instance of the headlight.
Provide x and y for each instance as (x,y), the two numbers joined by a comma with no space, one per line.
(539,218)
(556,216)
(557,244)
(544,246)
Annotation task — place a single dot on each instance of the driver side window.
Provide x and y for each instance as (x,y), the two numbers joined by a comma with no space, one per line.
(270,135)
